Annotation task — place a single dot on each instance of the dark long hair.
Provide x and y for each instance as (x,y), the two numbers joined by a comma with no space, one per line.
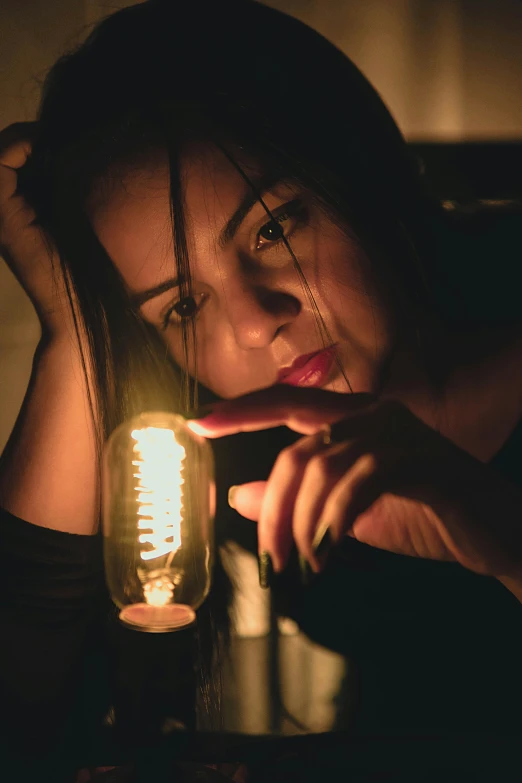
(249,80)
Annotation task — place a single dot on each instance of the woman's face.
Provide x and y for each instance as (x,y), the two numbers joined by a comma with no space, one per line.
(254,318)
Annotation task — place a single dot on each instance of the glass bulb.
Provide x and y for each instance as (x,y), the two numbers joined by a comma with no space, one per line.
(158,511)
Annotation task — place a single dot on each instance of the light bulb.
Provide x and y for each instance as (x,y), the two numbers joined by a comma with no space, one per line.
(158,511)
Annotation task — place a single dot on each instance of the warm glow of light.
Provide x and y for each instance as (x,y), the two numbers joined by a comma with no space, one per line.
(158,597)
(158,592)
(159,473)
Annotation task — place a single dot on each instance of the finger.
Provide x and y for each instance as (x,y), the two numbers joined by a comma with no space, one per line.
(275,521)
(18,132)
(301,409)
(353,494)
(15,156)
(322,474)
(246,499)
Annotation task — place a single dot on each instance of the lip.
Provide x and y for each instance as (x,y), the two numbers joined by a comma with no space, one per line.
(310,369)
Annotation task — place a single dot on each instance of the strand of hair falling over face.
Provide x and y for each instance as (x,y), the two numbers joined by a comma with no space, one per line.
(322,328)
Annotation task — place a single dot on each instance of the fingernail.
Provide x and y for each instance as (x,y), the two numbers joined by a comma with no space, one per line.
(322,543)
(231,494)
(195,426)
(307,573)
(266,569)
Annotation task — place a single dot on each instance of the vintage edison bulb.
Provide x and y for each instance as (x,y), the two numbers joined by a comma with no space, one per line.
(158,508)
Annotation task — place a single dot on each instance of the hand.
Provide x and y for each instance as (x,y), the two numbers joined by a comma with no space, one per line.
(389,481)
(27,250)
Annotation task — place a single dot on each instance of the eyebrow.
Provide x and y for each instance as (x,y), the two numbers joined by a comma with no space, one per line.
(226,235)
(140,298)
(250,199)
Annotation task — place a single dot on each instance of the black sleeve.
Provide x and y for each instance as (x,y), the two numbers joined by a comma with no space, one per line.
(49,584)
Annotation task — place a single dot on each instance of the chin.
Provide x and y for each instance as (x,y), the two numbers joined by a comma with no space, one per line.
(338,385)
(246,389)
(358,383)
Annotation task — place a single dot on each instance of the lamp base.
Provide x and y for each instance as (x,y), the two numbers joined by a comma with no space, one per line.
(157,619)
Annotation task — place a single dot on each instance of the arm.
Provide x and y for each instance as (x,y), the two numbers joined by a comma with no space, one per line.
(48,472)
(48,491)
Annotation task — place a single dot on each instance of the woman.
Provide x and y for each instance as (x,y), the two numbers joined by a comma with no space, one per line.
(219,180)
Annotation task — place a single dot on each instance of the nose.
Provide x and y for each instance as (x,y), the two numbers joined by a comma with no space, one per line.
(258,314)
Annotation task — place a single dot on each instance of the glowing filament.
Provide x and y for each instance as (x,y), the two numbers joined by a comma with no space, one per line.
(159,591)
(159,473)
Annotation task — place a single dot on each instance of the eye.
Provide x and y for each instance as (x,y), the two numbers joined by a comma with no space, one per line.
(272,231)
(182,310)
(281,225)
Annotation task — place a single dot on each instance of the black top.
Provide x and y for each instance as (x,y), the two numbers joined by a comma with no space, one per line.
(434,647)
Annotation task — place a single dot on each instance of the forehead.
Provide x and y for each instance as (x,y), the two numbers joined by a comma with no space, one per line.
(131,212)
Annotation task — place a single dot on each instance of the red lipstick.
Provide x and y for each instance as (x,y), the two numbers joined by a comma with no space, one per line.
(310,369)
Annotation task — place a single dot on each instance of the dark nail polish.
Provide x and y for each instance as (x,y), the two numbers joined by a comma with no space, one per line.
(266,570)
(306,571)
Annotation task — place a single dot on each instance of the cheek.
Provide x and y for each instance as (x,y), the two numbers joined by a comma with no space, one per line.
(351,292)
(215,355)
